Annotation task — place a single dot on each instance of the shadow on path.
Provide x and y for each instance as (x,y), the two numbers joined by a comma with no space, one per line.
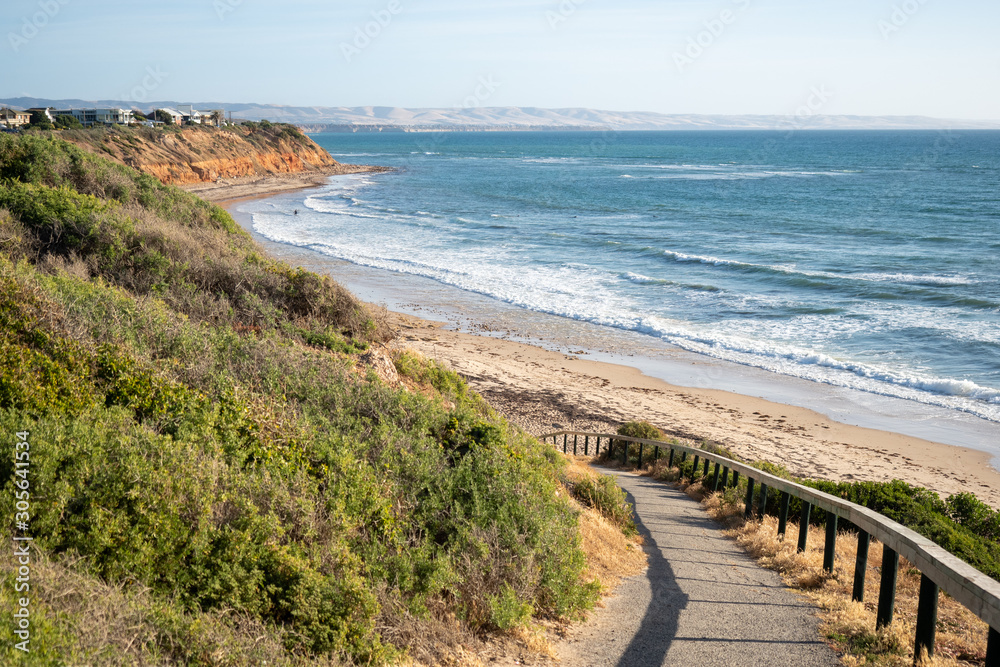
(650,644)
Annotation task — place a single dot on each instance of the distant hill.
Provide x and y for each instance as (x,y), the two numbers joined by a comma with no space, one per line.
(523,118)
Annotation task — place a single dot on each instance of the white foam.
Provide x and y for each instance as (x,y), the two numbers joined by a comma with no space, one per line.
(341,227)
(911,279)
(705,259)
(899,278)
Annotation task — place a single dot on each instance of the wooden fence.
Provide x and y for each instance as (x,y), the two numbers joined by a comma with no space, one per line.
(939,569)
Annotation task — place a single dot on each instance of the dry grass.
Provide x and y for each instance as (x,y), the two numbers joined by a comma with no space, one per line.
(436,638)
(611,556)
(961,636)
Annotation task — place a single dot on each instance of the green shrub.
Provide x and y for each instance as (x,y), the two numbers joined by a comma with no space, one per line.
(640,429)
(67,122)
(603,494)
(970,512)
(507,611)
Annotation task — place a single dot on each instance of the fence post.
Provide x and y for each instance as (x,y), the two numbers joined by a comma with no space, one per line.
(993,648)
(625,453)
(565,442)
(725,476)
(926,617)
(786,498)
(715,482)
(887,587)
(861,566)
(640,454)
(762,503)
(830,546)
(694,469)
(574,444)
(586,445)
(656,453)
(736,478)
(670,461)
(704,471)
(597,447)
(748,503)
(804,525)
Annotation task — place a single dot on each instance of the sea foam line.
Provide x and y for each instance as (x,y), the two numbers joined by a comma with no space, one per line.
(899,278)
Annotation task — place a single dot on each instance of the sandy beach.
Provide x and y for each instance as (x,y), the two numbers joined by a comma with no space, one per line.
(227,189)
(543,390)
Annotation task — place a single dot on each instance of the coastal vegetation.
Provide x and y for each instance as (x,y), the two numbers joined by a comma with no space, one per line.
(604,495)
(640,429)
(217,476)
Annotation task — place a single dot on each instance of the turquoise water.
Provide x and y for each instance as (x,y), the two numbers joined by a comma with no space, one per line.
(866,260)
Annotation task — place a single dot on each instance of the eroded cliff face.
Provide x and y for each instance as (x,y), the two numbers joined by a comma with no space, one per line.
(207,154)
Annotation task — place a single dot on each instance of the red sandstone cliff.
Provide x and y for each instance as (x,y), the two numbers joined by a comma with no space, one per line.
(205,154)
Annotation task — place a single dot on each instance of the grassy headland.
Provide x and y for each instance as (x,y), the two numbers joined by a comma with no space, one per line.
(216,477)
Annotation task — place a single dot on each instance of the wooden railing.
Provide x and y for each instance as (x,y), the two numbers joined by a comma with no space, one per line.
(939,569)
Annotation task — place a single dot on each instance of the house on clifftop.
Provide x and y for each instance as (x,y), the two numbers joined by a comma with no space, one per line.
(89,117)
(13,119)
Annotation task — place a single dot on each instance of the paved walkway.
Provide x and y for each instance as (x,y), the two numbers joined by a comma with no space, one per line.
(702,601)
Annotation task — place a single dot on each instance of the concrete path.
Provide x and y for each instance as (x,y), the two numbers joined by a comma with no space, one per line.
(702,601)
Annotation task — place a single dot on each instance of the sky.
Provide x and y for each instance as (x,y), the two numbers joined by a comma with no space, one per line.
(864,57)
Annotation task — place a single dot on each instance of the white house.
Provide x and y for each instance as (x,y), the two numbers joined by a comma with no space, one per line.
(88,117)
(175,115)
(193,116)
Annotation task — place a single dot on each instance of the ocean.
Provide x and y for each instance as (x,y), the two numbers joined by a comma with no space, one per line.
(863,262)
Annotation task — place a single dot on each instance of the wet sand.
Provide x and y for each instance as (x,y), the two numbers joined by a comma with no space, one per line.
(229,189)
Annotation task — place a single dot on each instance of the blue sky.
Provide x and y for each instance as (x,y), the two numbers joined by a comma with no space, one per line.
(876,57)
